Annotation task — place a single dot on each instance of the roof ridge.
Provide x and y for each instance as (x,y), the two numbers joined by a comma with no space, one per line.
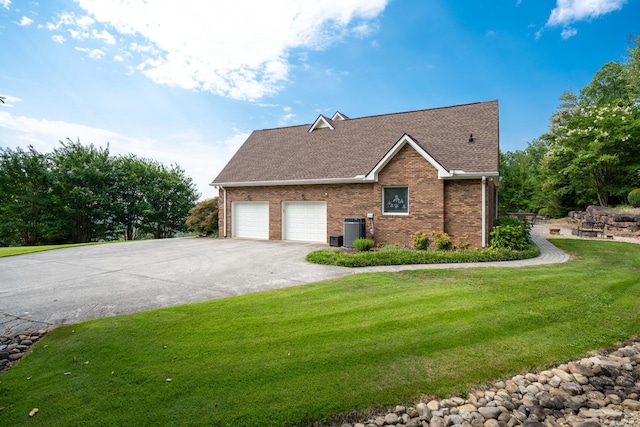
(424,109)
(379,115)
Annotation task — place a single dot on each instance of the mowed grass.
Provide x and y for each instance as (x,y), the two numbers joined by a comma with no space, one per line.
(21,250)
(307,354)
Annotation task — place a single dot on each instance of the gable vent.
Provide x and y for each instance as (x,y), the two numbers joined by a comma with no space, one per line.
(339,116)
(321,123)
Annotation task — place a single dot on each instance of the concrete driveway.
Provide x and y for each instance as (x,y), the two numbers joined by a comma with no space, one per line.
(46,289)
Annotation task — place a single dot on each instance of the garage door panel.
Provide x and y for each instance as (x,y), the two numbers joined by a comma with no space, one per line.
(250,220)
(305,221)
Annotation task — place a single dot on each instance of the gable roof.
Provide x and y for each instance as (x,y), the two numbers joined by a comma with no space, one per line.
(354,149)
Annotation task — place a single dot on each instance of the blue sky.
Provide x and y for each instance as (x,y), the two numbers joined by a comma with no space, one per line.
(186,82)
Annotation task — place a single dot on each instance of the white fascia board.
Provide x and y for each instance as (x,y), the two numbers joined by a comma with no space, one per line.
(320,123)
(338,116)
(360,179)
(458,174)
(406,139)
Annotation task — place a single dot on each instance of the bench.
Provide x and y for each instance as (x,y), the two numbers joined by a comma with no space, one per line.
(591,227)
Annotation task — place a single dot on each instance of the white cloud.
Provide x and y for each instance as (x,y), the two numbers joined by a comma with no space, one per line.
(567,12)
(568,32)
(25,21)
(201,160)
(5,3)
(93,53)
(118,58)
(238,49)
(104,35)
(58,38)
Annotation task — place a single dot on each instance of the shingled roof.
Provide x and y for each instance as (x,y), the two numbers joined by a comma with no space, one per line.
(352,148)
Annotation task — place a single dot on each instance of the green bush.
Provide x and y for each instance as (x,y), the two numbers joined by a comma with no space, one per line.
(402,257)
(421,241)
(442,240)
(634,198)
(363,245)
(510,233)
(544,212)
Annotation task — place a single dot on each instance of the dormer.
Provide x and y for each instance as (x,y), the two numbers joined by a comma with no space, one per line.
(321,123)
(339,116)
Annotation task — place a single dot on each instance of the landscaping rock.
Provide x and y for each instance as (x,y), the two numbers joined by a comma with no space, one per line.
(600,391)
(14,348)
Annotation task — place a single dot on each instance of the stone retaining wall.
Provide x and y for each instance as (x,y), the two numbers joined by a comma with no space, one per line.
(616,222)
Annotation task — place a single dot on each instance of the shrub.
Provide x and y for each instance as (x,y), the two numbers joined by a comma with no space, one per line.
(634,198)
(510,233)
(462,244)
(363,245)
(442,240)
(421,241)
(392,248)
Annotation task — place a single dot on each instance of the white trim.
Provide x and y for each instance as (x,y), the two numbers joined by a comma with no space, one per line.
(339,116)
(458,174)
(320,123)
(355,180)
(406,139)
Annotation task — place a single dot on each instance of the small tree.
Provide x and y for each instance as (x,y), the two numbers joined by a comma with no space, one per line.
(203,217)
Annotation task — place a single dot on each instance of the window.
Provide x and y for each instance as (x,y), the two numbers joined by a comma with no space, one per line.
(395,200)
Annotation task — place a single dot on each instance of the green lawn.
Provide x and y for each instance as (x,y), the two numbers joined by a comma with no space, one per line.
(285,357)
(20,250)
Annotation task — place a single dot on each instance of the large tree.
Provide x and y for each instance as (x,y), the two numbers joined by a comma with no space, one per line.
(594,138)
(522,179)
(26,199)
(83,180)
(169,194)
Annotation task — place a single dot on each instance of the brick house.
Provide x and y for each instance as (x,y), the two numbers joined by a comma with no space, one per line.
(431,170)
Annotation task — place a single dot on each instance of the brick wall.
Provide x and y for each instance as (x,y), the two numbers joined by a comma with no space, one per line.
(450,206)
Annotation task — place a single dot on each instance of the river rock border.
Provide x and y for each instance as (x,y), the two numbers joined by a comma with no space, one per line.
(597,391)
(13,348)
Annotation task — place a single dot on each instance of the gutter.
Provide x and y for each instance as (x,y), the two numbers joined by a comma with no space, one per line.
(358,179)
(484,212)
(224,212)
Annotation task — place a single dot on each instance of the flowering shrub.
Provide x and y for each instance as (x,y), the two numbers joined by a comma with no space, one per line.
(442,240)
(421,241)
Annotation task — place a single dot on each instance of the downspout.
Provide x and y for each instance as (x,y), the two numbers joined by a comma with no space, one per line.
(224,212)
(484,212)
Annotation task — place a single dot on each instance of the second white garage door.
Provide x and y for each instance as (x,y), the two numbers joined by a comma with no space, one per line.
(250,219)
(304,221)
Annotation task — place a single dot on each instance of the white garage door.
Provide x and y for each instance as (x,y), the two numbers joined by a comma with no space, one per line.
(305,221)
(250,219)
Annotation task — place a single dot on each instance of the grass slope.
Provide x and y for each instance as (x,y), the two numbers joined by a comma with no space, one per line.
(306,353)
(20,250)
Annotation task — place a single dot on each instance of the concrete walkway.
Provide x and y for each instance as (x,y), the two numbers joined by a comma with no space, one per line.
(47,289)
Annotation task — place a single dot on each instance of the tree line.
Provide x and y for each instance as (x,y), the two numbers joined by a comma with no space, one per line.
(591,153)
(80,193)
